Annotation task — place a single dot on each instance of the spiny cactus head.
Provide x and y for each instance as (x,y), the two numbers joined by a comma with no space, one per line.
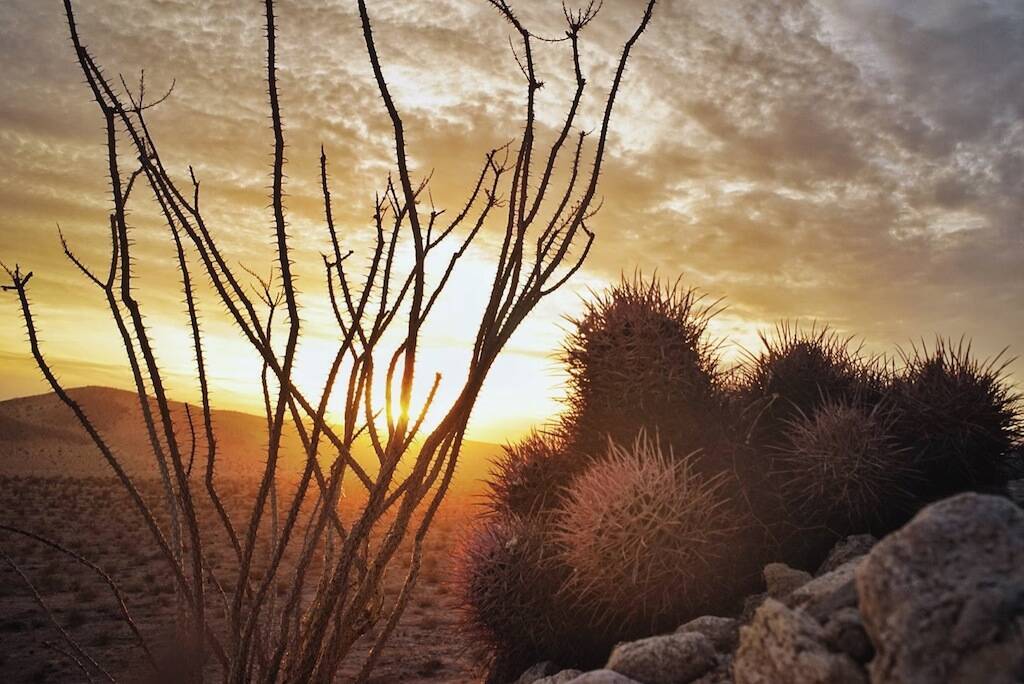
(645,537)
(529,477)
(840,467)
(639,357)
(508,581)
(959,416)
(798,370)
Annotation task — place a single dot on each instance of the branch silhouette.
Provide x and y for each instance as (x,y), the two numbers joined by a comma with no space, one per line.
(309,633)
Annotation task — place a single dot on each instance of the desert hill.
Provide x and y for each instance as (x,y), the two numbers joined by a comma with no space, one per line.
(39,436)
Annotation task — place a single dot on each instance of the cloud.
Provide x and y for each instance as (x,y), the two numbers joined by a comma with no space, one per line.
(859,162)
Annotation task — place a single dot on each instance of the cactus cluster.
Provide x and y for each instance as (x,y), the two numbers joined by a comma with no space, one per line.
(958,417)
(799,370)
(531,476)
(509,579)
(668,482)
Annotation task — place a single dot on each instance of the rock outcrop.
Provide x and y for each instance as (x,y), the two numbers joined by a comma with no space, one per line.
(783,644)
(939,601)
(677,658)
(846,550)
(942,599)
(723,632)
(782,580)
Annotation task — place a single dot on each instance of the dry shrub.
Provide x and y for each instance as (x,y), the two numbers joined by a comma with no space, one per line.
(647,538)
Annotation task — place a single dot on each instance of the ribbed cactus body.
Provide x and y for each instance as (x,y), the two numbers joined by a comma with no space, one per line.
(647,537)
(639,358)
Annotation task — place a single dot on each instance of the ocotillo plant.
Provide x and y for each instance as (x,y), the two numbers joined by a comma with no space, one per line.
(543,243)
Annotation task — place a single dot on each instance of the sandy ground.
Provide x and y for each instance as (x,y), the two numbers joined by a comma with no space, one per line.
(93,517)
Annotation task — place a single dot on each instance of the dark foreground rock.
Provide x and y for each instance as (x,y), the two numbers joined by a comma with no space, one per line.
(540,671)
(939,601)
(783,644)
(602,677)
(943,598)
(848,549)
(783,580)
(563,677)
(724,633)
(676,658)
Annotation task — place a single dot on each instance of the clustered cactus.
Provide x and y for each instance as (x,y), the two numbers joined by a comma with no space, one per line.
(530,477)
(509,580)
(668,482)
(798,371)
(958,417)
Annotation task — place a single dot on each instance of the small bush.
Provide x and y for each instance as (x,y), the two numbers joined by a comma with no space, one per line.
(841,468)
(639,358)
(959,418)
(648,539)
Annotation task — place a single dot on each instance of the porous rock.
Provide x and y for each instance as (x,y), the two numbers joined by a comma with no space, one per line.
(782,580)
(750,606)
(676,658)
(602,677)
(824,595)
(723,632)
(562,677)
(721,673)
(943,598)
(845,633)
(845,551)
(537,672)
(786,645)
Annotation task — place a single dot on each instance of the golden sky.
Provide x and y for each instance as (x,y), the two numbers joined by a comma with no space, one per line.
(856,162)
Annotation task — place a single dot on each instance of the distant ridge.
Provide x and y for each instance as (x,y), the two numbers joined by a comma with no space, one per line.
(40,436)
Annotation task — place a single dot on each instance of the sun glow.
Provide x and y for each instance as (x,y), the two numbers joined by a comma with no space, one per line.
(522,388)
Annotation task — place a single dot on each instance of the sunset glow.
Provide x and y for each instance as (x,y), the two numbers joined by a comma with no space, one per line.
(864,187)
(485,341)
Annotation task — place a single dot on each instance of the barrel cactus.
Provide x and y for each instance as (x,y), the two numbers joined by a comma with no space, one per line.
(799,370)
(647,539)
(639,358)
(668,483)
(530,476)
(841,468)
(959,417)
(509,581)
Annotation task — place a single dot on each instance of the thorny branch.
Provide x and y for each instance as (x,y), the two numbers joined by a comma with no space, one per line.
(305,636)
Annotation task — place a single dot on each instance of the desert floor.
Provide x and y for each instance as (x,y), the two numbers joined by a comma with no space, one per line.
(93,517)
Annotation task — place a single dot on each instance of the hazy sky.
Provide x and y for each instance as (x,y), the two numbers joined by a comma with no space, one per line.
(857,162)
